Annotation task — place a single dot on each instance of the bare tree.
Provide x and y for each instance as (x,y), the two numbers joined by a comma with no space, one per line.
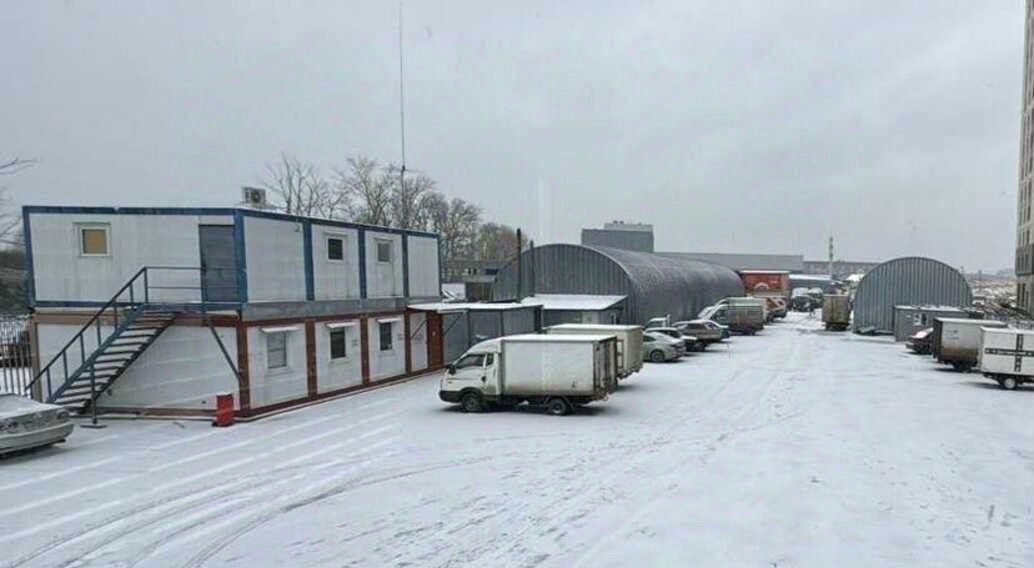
(14,165)
(10,220)
(408,207)
(495,241)
(365,191)
(455,221)
(300,189)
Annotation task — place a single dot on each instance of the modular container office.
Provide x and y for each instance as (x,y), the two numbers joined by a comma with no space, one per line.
(463,325)
(906,281)
(910,319)
(653,285)
(276,309)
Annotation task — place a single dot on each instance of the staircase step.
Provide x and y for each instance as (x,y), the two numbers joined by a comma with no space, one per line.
(117,352)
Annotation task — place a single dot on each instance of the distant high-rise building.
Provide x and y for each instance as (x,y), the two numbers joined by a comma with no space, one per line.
(621,235)
(1024,247)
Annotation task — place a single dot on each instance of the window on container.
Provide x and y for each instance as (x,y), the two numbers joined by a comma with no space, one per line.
(338,350)
(94,240)
(384,251)
(385,335)
(335,249)
(276,350)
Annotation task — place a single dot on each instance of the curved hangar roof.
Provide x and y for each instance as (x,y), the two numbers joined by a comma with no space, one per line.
(910,280)
(654,285)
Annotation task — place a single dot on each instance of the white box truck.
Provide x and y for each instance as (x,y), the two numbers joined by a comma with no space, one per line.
(1007,356)
(629,346)
(556,371)
(957,341)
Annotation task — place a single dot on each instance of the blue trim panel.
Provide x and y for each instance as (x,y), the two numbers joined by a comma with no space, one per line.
(405,266)
(228,211)
(30,273)
(310,281)
(242,258)
(362,263)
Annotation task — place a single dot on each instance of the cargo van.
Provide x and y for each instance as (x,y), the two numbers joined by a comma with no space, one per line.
(746,318)
(956,341)
(629,342)
(1007,356)
(555,371)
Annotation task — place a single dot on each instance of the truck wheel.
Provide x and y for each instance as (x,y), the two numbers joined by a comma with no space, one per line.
(471,402)
(657,356)
(558,406)
(1008,383)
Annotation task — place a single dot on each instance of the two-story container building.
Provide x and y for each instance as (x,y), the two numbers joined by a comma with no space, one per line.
(158,310)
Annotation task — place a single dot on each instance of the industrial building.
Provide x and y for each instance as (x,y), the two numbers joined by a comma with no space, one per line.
(163,308)
(1024,224)
(621,235)
(652,285)
(906,281)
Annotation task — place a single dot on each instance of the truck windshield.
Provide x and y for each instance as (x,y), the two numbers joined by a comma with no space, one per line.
(473,360)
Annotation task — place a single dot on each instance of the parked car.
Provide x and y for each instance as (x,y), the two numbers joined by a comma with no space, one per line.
(706,331)
(692,343)
(25,423)
(558,372)
(921,342)
(659,348)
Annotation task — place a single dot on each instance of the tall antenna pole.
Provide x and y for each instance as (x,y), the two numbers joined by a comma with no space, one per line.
(831,256)
(402,104)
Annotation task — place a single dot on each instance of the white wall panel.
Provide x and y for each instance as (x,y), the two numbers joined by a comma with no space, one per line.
(270,386)
(275,254)
(335,374)
(423,267)
(418,341)
(335,280)
(392,362)
(383,279)
(63,274)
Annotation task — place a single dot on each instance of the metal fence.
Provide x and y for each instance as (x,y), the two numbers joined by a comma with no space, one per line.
(15,353)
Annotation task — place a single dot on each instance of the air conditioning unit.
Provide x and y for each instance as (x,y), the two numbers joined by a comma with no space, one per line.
(255,197)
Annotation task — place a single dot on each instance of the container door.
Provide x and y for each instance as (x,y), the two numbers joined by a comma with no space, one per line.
(218,264)
(435,341)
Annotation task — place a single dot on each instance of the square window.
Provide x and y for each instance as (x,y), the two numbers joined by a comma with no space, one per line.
(384,251)
(335,248)
(93,240)
(337,344)
(276,350)
(385,333)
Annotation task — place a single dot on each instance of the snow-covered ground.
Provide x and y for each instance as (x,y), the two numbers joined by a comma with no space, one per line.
(797,447)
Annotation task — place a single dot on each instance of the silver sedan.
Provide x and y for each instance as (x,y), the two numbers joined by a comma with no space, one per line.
(25,423)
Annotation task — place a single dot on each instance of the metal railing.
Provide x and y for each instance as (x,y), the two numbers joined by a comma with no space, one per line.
(146,288)
(15,353)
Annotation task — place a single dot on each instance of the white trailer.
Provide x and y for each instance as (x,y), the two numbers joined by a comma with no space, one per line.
(957,341)
(1007,356)
(629,345)
(556,371)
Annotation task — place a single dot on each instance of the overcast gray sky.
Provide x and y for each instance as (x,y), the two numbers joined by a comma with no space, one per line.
(732,126)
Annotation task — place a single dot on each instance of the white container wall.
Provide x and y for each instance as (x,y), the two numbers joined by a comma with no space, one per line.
(423,267)
(387,359)
(418,341)
(275,254)
(344,372)
(335,279)
(277,384)
(383,277)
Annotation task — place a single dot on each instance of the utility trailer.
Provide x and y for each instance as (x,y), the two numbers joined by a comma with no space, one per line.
(555,371)
(1007,356)
(836,311)
(956,341)
(629,342)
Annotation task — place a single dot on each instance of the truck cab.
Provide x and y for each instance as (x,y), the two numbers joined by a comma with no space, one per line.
(475,370)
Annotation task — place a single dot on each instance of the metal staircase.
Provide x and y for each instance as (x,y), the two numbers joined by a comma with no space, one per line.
(115,337)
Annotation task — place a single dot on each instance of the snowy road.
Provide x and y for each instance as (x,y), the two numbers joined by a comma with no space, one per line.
(793,448)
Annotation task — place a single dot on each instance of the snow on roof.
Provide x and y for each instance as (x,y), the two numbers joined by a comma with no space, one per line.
(550,338)
(930,308)
(573,302)
(441,307)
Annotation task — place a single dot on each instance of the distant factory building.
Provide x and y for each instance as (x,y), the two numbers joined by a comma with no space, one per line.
(908,281)
(621,235)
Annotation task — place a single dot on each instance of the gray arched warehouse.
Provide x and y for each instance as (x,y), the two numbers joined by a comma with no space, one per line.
(911,281)
(654,285)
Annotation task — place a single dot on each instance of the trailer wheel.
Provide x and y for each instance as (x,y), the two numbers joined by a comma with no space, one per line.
(558,406)
(657,356)
(1008,383)
(471,402)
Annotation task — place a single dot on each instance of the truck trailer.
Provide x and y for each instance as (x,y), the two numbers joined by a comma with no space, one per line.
(629,342)
(555,371)
(956,341)
(836,311)
(1007,356)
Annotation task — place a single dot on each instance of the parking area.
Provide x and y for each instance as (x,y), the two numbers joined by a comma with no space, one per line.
(797,447)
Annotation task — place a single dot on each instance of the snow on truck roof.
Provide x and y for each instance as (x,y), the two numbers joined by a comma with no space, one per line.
(494,345)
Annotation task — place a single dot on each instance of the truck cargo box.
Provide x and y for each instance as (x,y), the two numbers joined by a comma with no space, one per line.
(629,342)
(957,340)
(1007,355)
